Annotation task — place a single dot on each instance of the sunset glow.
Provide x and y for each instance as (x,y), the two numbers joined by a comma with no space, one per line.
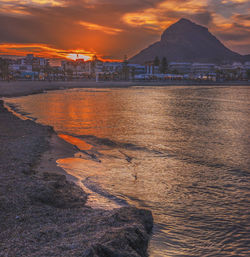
(75,57)
(123,128)
(43,50)
(112,29)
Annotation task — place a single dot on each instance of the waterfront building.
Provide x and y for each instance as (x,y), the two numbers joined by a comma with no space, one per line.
(151,68)
(247,65)
(22,71)
(136,69)
(180,67)
(112,67)
(203,68)
(37,63)
(20,67)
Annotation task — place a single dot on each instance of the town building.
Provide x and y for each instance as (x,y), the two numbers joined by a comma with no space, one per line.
(180,67)
(151,68)
(203,68)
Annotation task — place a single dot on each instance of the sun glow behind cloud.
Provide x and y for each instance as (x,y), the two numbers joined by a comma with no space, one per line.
(43,50)
(75,56)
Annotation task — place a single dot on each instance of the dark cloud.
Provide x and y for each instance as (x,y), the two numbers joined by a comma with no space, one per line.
(204,18)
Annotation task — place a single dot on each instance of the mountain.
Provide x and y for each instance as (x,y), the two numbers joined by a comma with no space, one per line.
(186,41)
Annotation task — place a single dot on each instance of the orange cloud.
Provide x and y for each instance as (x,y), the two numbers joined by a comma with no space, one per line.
(234,1)
(14,7)
(105,29)
(157,18)
(35,2)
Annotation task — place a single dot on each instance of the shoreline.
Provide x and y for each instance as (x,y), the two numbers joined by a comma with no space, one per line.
(28,208)
(43,213)
(23,88)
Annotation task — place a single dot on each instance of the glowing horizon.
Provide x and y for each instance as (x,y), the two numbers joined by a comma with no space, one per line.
(46,51)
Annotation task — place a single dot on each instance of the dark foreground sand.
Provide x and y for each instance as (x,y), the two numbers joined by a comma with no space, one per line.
(43,214)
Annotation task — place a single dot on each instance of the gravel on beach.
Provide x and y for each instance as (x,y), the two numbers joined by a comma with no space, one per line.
(44,214)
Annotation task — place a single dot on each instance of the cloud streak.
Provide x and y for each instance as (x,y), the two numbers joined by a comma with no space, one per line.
(97,27)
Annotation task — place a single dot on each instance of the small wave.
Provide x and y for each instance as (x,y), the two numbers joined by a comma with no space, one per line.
(99,141)
(96,188)
(13,108)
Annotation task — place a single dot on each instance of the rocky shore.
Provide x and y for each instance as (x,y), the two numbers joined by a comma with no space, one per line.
(44,213)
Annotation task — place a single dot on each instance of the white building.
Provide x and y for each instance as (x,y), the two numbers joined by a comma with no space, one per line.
(203,68)
(137,69)
(237,65)
(180,67)
(247,65)
(20,67)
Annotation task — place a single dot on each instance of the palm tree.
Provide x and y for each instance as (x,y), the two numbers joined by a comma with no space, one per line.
(4,68)
(164,65)
(125,68)
(156,61)
(248,74)
(38,70)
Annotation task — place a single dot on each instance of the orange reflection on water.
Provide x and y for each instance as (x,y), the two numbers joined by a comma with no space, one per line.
(76,141)
(80,168)
(73,112)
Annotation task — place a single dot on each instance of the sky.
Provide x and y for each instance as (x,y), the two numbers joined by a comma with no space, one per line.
(112,29)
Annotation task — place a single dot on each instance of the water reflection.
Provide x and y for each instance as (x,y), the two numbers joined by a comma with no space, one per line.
(182,152)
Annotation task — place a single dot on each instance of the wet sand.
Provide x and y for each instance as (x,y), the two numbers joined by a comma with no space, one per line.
(42,212)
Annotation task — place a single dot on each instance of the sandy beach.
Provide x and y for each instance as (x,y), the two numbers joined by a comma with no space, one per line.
(42,212)
(21,88)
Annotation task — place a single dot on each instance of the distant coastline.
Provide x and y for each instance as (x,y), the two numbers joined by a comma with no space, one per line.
(21,88)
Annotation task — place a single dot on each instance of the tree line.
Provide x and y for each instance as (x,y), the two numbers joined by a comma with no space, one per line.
(4,69)
(162,64)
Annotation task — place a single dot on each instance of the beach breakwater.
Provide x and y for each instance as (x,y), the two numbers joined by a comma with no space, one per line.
(44,214)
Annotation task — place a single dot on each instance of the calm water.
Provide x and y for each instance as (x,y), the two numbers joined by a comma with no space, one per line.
(182,152)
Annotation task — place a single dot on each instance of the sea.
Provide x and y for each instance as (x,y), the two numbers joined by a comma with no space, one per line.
(180,151)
